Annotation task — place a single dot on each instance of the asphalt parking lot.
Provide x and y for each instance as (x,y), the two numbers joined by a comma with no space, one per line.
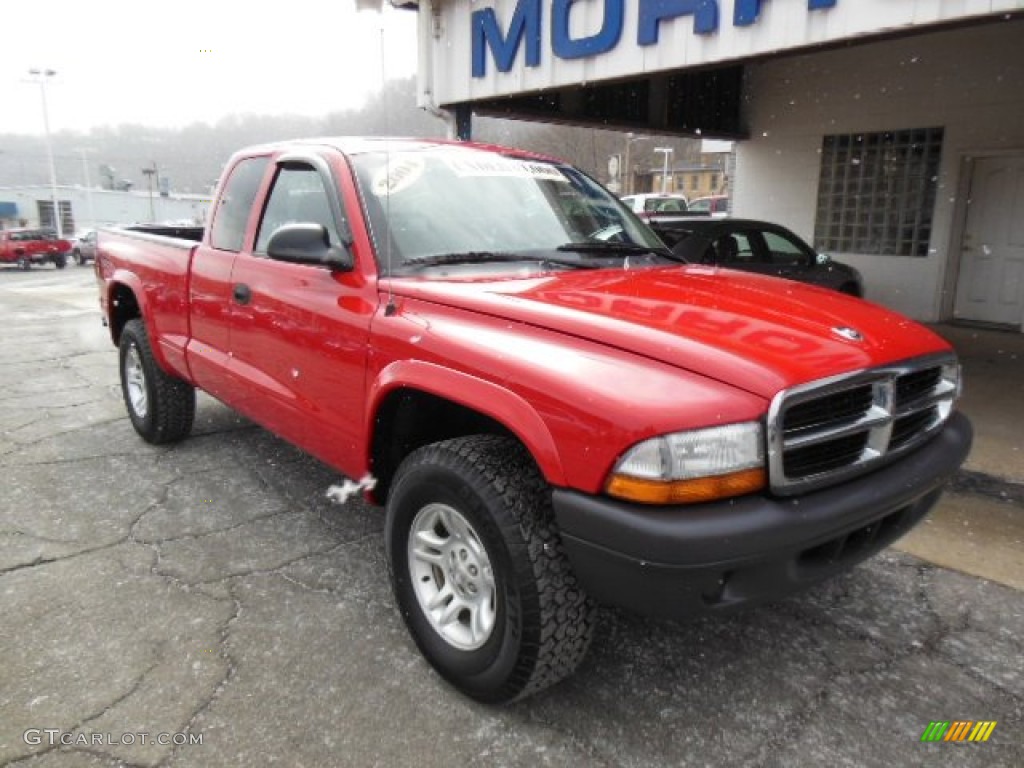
(206,605)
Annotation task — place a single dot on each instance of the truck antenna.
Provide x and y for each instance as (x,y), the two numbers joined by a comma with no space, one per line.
(389,308)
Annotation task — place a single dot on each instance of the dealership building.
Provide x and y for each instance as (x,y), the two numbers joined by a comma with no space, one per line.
(889,133)
(84,208)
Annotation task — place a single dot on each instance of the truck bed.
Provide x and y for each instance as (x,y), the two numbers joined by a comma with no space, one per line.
(156,266)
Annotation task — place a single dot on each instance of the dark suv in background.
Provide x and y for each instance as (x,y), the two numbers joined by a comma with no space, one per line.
(755,246)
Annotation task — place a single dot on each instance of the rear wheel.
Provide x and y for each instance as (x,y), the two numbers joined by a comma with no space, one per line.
(25,263)
(160,406)
(77,256)
(60,261)
(479,570)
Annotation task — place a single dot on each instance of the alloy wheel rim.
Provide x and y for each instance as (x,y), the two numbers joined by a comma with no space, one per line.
(452,576)
(135,382)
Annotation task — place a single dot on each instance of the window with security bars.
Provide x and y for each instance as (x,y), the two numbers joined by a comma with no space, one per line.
(876,192)
(47,219)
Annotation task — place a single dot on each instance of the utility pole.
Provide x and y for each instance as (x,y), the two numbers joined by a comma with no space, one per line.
(149,174)
(41,76)
(627,173)
(88,188)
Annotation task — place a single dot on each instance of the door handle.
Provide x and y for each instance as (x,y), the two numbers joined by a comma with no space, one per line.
(241,293)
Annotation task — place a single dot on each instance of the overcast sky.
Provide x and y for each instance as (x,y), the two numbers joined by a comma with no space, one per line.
(173,62)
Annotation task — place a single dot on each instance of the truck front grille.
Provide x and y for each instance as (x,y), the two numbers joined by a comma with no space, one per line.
(828,431)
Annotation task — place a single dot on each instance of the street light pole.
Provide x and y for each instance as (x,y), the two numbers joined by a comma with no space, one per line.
(41,75)
(666,151)
(627,183)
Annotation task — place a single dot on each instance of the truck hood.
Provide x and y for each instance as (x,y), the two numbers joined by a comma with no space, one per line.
(757,333)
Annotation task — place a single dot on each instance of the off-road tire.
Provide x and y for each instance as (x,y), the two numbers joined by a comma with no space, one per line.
(543,620)
(161,407)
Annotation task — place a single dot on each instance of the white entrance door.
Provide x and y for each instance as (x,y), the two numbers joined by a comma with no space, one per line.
(991,284)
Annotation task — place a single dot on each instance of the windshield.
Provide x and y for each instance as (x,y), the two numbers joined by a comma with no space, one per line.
(446,205)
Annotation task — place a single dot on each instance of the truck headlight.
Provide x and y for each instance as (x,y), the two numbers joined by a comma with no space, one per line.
(689,467)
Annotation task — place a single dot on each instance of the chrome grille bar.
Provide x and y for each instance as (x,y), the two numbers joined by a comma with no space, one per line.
(879,414)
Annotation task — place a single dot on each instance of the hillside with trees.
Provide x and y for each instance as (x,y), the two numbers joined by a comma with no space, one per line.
(191,158)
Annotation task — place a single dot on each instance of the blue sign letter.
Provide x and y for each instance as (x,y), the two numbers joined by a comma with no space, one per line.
(486,33)
(746,11)
(705,17)
(567,48)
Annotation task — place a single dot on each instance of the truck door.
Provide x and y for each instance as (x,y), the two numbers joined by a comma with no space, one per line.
(299,333)
(210,278)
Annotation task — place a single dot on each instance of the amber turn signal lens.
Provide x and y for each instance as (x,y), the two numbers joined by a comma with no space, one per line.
(690,491)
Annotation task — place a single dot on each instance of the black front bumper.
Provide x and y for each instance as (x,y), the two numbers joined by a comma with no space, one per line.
(676,561)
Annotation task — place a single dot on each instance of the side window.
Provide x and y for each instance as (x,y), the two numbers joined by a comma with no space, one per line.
(235,203)
(297,196)
(784,252)
(735,249)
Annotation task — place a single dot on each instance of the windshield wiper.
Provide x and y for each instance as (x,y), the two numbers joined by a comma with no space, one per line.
(466,257)
(602,247)
(483,257)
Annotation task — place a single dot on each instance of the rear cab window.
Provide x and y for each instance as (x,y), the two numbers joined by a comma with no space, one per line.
(235,204)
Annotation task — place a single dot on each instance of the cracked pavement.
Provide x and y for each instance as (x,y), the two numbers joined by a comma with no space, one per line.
(210,589)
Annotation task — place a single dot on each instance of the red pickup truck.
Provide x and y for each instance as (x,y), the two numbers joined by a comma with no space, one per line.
(26,247)
(552,409)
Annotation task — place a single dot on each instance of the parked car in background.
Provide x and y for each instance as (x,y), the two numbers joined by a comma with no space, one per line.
(646,206)
(716,205)
(755,246)
(84,249)
(26,247)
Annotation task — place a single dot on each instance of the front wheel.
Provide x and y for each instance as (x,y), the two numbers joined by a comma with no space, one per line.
(160,406)
(60,261)
(479,571)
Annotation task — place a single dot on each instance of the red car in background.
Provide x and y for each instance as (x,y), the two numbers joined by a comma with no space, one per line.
(716,205)
(26,247)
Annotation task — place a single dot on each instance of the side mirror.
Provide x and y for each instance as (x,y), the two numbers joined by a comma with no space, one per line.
(307,243)
(823,259)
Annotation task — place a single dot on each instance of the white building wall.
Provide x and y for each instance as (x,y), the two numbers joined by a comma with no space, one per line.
(93,208)
(965,80)
(446,38)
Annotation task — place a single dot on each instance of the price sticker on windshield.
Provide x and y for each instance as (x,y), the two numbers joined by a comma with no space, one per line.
(503,166)
(397,176)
